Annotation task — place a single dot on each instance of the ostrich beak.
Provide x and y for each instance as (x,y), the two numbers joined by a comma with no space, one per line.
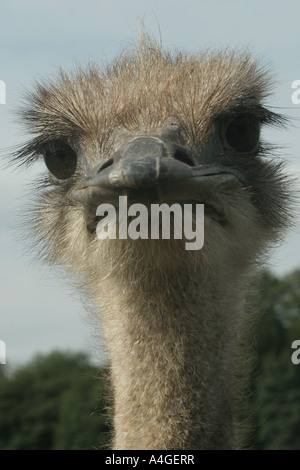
(149,169)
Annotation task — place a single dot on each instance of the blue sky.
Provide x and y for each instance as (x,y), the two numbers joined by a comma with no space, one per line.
(38,312)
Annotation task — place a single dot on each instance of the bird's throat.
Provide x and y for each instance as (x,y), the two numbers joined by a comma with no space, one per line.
(172,365)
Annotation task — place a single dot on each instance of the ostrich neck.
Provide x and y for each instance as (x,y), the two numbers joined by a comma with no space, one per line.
(172,351)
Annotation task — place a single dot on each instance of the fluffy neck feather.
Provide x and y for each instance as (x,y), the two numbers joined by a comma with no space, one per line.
(173,341)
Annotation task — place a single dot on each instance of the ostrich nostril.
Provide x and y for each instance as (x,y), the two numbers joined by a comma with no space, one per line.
(106,165)
(182,156)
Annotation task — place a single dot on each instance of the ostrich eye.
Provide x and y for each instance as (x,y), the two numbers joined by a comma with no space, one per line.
(242,134)
(60,160)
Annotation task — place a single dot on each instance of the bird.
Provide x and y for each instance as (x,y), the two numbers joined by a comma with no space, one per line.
(162,126)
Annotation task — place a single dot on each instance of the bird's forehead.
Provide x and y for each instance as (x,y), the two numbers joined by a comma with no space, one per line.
(141,93)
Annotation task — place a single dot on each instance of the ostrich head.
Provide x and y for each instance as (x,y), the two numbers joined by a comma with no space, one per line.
(175,128)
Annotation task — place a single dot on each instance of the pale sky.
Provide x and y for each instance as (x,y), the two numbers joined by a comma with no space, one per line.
(39,313)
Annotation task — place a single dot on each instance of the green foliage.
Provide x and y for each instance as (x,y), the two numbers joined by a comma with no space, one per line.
(57,401)
(275,397)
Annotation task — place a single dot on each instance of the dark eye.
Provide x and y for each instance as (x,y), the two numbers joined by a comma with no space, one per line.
(242,133)
(60,160)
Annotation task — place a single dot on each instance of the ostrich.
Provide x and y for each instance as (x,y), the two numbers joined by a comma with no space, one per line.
(162,126)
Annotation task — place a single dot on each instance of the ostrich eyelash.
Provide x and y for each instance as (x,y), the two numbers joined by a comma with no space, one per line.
(34,150)
(263,115)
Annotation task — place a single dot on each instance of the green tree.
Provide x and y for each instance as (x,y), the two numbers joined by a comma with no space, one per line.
(275,394)
(55,402)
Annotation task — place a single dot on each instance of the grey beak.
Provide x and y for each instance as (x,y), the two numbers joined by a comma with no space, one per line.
(147,163)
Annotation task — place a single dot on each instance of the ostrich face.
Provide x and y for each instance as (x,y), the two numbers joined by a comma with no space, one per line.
(157,128)
(154,168)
